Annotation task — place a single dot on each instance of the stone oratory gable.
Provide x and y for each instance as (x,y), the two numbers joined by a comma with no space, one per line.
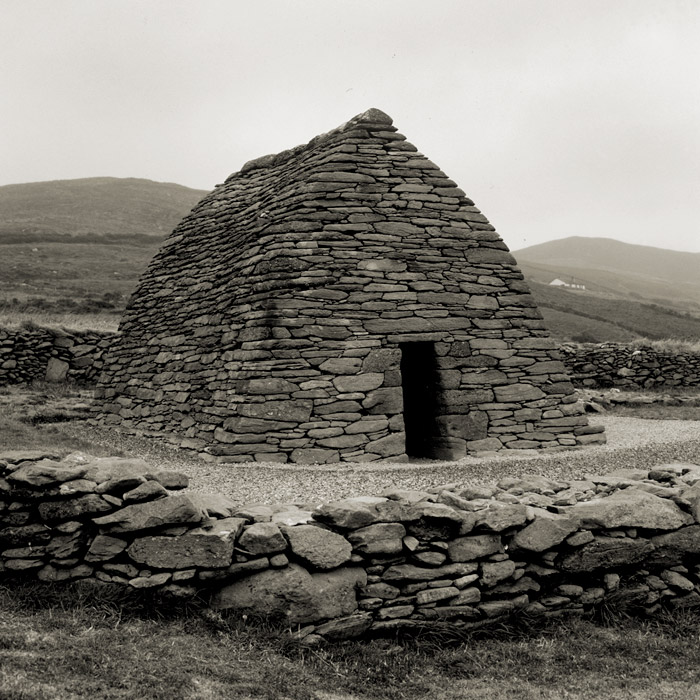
(340,301)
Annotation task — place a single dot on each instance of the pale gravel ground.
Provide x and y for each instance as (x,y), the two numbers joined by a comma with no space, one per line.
(632,442)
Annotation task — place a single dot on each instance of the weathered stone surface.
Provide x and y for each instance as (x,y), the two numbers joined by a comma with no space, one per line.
(545,532)
(18,456)
(606,553)
(430,558)
(119,485)
(347,384)
(433,595)
(692,496)
(494,572)
(474,547)
(531,483)
(89,504)
(52,574)
(631,508)
(428,521)
(389,446)
(499,517)
(380,590)
(77,487)
(298,410)
(152,581)
(409,572)
(105,468)
(345,627)
(56,370)
(45,473)
(215,505)
(672,547)
(24,535)
(262,538)
(517,392)
(348,514)
(66,546)
(104,547)
(381,538)
(148,491)
(677,580)
(318,547)
(209,547)
(172,510)
(171,480)
(294,593)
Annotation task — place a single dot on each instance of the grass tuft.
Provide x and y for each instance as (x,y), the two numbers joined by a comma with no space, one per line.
(668,346)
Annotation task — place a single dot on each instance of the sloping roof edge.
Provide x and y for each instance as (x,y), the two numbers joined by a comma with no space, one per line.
(373,116)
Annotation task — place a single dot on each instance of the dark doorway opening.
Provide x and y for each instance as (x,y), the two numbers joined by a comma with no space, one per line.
(419,381)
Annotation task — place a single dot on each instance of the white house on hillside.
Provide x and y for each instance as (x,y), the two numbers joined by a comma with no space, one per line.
(560,283)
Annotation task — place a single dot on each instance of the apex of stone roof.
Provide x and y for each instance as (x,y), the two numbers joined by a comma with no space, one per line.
(373,115)
(381,121)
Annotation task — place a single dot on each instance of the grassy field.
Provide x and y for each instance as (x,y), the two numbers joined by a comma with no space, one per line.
(60,273)
(79,641)
(583,312)
(82,642)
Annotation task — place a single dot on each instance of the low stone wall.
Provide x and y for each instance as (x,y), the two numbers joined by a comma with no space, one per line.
(463,556)
(625,367)
(27,354)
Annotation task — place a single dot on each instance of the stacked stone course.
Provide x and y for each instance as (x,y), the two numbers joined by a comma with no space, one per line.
(272,324)
(463,556)
(27,354)
(625,367)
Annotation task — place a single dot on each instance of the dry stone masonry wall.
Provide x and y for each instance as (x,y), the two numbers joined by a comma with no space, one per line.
(341,301)
(457,555)
(27,354)
(625,367)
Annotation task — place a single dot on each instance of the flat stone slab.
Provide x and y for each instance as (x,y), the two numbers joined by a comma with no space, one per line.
(173,510)
(606,553)
(318,547)
(17,456)
(294,593)
(262,538)
(210,547)
(105,468)
(545,532)
(45,473)
(630,508)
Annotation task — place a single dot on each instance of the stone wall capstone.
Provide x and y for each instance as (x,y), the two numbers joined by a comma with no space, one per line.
(465,556)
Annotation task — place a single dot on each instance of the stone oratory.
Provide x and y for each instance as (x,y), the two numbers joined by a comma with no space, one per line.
(340,301)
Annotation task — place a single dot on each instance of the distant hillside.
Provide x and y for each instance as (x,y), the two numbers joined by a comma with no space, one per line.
(102,206)
(619,269)
(573,315)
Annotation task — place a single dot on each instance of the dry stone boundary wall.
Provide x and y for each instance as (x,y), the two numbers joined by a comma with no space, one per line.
(27,354)
(461,556)
(625,367)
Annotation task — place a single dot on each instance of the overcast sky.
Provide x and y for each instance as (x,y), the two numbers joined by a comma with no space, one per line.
(558,117)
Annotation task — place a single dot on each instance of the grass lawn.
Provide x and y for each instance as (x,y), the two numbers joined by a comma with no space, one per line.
(74,643)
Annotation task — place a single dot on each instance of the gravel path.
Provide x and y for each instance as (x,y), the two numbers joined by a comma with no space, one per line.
(632,442)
